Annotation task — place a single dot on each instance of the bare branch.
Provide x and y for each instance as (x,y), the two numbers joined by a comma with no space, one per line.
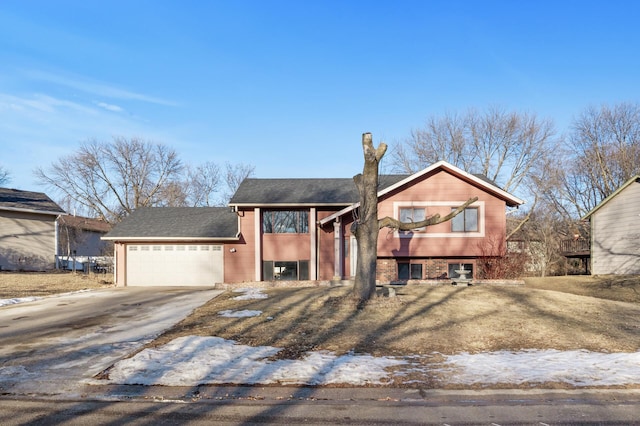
(390,222)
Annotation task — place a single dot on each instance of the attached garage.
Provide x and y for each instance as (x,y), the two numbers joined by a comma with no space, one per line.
(173,246)
(174,264)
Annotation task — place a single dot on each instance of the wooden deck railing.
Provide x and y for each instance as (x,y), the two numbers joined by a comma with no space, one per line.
(575,247)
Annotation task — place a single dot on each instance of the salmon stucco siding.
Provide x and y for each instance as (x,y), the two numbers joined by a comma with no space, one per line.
(241,255)
(439,194)
(615,232)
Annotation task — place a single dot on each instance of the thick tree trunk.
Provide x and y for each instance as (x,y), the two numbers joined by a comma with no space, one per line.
(365,227)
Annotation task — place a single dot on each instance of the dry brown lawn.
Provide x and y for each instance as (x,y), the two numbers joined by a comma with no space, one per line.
(564,313)
(24,284)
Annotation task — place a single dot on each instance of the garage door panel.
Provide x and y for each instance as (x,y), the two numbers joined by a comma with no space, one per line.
(175,265)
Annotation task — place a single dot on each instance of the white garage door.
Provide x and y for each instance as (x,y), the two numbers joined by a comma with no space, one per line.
(174,265)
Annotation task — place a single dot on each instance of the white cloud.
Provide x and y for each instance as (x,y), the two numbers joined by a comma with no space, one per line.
(40,103)
(95,87)
(110,107)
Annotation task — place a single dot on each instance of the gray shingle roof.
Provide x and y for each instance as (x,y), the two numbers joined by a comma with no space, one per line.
(177,222)
(337,191)
(27,200)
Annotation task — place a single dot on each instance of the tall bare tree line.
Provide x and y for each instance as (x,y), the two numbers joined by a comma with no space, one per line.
(525,155)
(110,179)
(562,177)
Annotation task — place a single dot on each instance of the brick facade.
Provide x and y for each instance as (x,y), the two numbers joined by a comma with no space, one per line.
(436,268)
(387,269)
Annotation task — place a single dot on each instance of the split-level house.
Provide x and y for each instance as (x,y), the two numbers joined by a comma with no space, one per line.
(300,229)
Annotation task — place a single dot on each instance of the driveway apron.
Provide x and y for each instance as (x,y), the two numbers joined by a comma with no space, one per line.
(57,344)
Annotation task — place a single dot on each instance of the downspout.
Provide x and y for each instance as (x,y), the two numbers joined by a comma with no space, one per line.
(337,250)
(313,273)
(257,244)
(57,242)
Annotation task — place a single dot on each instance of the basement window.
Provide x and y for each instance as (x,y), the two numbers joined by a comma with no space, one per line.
(409,271)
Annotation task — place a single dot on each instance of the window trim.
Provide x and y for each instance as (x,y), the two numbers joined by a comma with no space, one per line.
(480,205)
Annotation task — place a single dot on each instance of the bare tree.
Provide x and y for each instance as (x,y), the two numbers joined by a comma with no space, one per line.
(367,225)
(235,174)
(110,180)
(5,176)
(201,185)
(506,147)
(604,153)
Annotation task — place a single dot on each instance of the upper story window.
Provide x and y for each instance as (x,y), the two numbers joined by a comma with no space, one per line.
(467,221)
(285,222)
(412,214)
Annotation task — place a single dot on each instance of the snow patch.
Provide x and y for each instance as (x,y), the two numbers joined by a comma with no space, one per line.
(6,302)
(192,360)
(577,368)
(250,293)
(239,314)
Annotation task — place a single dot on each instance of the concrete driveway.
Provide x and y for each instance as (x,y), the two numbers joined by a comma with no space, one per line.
(55,345)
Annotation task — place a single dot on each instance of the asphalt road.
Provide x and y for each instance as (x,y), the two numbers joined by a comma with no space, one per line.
(50,346)
(308,406)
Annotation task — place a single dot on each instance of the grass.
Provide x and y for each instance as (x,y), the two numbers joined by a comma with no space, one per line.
(427,319)
(564,313)
(24,284)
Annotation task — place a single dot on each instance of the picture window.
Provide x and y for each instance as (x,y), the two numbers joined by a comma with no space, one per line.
(285,222)
(466,221)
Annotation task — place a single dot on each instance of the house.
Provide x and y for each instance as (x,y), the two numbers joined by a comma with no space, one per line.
(299,229)
(80,244)
(27,230)
(615,231)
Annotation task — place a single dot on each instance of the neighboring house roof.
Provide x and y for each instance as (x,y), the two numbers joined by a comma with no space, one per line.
(177,223)
(480,181)
(84,223)
(636,178)
(27,201)
(316,192)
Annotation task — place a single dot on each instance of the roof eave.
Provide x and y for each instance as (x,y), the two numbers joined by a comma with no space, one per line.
(610,197)
(339,213)
(183,239)
(45,212)
(511,200)
(279,205)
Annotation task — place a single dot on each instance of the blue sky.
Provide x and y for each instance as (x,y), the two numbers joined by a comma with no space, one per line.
(290,86)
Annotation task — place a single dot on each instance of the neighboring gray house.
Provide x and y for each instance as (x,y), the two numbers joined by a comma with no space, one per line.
(82,236)
(615,231)
(80,244)
(27,230)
